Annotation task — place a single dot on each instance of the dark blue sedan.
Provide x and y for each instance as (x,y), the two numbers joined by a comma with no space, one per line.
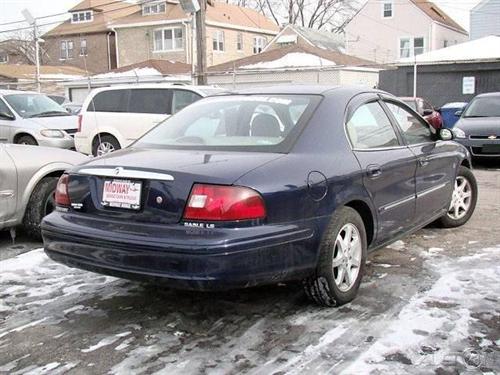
(263,186)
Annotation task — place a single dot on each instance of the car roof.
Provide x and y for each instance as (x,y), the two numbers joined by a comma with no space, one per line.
(199,89)
(488,94)
(325,90)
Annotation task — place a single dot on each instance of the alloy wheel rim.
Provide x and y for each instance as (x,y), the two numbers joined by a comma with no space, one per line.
(347,257)
(461,199)
(104,148)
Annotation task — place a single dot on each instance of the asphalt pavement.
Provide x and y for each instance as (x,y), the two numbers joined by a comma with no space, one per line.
(429,304)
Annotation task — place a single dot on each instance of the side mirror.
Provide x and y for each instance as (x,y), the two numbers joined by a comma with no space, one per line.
(7,116)
(459,113)
(445,134)
(428,112)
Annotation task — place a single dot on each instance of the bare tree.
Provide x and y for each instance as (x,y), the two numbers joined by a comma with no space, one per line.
(315,14)
(20,46)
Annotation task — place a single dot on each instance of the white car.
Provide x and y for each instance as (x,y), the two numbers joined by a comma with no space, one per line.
(34,119)
(113,117)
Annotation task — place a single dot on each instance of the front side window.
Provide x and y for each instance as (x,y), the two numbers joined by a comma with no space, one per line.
(34,105)
(387,9)
(247,123)
(109,101)
(414,130)
(218,40)
(259,43)
(369,127)
(483,107)
(170,39)
(4,108)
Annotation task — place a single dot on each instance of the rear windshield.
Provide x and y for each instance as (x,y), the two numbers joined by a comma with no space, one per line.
(247,123)
(484,107)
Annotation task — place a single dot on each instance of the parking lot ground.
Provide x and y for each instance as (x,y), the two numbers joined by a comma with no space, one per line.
(428,304)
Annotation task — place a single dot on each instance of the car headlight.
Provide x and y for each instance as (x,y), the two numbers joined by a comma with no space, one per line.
(459,133)
(52,133)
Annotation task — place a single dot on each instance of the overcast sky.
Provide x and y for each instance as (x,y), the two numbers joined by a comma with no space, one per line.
(10,10)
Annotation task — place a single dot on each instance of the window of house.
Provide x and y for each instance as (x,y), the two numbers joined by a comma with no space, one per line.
(259,42)
(66,50)
(409,47)
(170,39)
(387,9)
(239,42)
(83,47)
(445,43)
(85,16)
(153,8)
(218,40)
(4,58)
(369,127)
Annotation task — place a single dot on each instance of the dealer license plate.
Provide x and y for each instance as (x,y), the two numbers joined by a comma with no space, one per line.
(122,194)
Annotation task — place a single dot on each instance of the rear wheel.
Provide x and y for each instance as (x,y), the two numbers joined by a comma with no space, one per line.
(26,140)
(104,145)
(41,203)
(463,201)
(342,261)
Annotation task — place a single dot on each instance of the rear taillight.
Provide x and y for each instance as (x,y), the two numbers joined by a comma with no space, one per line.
(224,203)
(80,118)
(62,196)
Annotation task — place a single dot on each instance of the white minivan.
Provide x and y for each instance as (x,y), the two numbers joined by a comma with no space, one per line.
(113,117)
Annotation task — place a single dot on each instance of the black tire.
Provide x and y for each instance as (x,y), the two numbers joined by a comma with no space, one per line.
(447,221)
(321,287)
(105,139)
(41,203)
(26,140)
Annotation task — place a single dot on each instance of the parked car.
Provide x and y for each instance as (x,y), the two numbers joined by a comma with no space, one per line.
(113,117)
(72,108)
(31,118)
(426,110)
(28,178)
(268,185)
(478,128)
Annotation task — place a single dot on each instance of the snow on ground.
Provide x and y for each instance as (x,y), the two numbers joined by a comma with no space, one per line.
(420,309)
(292,60)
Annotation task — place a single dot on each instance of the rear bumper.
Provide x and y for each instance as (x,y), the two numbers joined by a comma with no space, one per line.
(182,257)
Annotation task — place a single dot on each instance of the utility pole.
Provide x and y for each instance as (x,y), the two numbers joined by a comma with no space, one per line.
(32,21)
(201,44)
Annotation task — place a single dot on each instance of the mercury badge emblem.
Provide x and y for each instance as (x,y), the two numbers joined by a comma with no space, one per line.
(118,170)
(159,200)
(492,137)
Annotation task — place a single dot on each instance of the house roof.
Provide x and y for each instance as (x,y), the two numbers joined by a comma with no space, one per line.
(321,39)
(284,58)
(437,14)
(162,66)
(48,72)
(484,49)
(217,13)
(105,11)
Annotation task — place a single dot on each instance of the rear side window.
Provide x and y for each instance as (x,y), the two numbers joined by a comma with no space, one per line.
(414,130)
(109,101)
(369,127)
(183,98)
(156,101)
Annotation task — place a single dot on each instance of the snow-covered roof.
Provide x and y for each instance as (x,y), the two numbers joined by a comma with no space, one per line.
(292,60)
(137,72)
(484,49)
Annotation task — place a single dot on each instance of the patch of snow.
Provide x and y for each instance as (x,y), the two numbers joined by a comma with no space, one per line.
(292,60)
(138,72)
(106,341)
(12,364)
(398,245)
(19,329)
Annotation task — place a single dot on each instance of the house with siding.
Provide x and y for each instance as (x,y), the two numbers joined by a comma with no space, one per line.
(161,30)
(84,40)
(388,30)
(485,19)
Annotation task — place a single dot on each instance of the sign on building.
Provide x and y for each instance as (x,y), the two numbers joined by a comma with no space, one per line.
(469,85)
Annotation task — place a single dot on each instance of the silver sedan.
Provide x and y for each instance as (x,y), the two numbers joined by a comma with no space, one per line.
(28,178)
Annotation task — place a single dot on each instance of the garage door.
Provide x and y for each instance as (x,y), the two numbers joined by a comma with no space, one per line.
(78,95)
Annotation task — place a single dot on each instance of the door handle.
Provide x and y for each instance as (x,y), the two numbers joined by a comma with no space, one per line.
(424,161)
(373,171)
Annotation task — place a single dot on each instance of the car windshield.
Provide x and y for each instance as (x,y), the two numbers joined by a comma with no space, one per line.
(35,105)
(236,122)
(484,107)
